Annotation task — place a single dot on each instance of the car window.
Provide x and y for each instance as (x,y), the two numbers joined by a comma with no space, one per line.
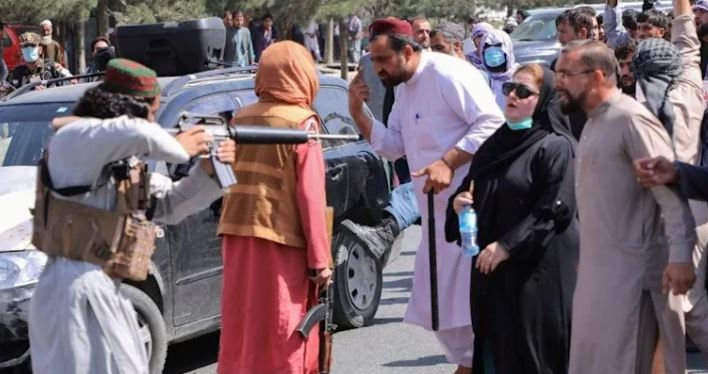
(24,131)
(6,41)
(539,27)
(332,104)
(211,105)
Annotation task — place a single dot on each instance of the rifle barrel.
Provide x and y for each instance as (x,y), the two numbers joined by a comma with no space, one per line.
(350,137)
(269,135)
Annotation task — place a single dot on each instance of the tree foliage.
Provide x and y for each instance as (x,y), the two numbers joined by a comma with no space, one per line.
(32,12)
(151,11)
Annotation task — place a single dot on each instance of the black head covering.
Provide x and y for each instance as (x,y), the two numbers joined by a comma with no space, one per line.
(657,66)
(506,144)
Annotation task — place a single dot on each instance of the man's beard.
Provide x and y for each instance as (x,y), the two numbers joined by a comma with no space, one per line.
(391,80)
(628,88)
(394,79)
(572,104)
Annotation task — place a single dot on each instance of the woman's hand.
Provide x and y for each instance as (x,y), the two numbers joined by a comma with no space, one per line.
(491,257)
(461,200)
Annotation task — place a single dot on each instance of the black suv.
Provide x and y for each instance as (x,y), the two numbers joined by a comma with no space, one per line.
(181,297)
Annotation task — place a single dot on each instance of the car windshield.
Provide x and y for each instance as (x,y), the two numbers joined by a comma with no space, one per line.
(24,131)
(538,27)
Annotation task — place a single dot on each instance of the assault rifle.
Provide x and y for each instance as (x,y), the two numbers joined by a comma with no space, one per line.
(321,314)
(220,130)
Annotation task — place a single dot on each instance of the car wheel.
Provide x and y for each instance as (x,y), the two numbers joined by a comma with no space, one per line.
(151,327)
(358,281)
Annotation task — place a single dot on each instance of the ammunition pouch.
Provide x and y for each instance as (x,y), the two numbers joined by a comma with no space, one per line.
(120,241)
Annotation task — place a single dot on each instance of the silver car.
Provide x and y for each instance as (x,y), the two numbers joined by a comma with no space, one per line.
(535,40)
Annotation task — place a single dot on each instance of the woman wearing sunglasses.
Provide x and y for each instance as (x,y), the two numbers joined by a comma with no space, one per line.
(523,280)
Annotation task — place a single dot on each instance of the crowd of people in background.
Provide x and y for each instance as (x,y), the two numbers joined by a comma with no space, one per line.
(580,209)
(246,38)
(580,174)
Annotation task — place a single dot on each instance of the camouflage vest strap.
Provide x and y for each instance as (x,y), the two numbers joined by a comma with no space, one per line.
(120,241)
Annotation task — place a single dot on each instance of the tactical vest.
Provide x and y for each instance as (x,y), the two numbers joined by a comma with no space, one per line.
(22,74)
(120,241)
(263,203)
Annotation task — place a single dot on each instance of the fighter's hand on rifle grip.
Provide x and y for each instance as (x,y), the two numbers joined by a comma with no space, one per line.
(195,141)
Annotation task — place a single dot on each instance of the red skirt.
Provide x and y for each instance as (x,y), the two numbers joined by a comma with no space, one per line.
(266,293)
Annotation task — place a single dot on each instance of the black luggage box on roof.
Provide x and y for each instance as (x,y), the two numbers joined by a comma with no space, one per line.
(173,48)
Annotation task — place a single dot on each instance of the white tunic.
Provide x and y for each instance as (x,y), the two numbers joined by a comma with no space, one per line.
(79,323)
(447,103)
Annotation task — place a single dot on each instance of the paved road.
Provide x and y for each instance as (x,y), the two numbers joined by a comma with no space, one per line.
(388,346)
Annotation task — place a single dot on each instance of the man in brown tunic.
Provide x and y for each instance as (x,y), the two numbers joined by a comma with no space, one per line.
(629,258)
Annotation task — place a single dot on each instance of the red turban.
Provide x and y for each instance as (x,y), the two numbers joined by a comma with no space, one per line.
(390,25)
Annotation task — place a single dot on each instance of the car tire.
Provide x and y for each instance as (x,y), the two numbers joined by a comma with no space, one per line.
(358,282)
(151,325)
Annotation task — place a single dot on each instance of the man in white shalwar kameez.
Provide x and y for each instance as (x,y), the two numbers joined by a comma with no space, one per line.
(443,112)
(311,42)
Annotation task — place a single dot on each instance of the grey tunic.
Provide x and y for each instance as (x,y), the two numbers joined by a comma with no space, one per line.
(79,321)
(628,234)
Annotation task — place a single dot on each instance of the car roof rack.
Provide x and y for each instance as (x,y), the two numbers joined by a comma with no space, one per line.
(48,82)
(180,82)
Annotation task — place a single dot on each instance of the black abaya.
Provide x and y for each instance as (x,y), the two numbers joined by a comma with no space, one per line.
(521,311)
(524,199)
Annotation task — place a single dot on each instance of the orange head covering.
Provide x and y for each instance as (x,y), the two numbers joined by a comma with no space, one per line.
(287,73)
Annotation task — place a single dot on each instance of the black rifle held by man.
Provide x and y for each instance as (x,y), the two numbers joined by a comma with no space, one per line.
(321,314)
(220,130)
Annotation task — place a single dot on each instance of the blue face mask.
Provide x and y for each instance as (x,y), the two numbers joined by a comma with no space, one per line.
(494,57)
(30,54)
(524,124)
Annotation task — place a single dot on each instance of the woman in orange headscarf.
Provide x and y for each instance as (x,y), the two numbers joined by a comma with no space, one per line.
(275,245)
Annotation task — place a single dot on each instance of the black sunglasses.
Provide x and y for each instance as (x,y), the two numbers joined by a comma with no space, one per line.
(25,45)
(522,91)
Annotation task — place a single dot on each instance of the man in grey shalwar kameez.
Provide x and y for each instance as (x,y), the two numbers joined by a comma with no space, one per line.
(635,243)
(79,321)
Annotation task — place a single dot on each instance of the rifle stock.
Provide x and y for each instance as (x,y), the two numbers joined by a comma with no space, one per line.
(325,357)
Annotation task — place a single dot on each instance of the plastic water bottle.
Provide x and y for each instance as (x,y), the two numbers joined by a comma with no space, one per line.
(468,231)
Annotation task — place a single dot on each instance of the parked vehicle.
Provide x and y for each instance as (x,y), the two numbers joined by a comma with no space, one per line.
(535,40)
(181,297)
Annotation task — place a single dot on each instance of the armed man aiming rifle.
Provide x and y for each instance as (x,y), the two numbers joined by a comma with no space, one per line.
(94,216)
(97,205)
